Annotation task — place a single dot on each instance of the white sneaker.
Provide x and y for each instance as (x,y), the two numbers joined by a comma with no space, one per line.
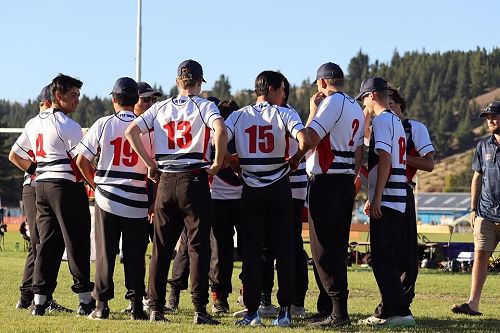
(268,311)
(398,321)
(250,321)
(241,314)
(298,311)
(372,320)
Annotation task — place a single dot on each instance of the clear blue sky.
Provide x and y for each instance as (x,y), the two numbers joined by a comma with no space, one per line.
(94,40)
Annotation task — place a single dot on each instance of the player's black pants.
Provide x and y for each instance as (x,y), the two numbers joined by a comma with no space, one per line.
(63,219)
(301,273)
(226,217)
(331,200)
(180,265)
(409,265)
(29,204)
(182,200)
(266,211)
(134,232)
(389,244)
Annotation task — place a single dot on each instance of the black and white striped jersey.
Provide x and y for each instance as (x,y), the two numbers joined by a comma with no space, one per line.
(181,128)
(120,174)
(226,185)
(260,137)
(22,148)
(53,137)
(298,178)
(388,135)
(339,122)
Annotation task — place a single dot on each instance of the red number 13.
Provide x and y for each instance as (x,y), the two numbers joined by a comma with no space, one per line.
(179,134)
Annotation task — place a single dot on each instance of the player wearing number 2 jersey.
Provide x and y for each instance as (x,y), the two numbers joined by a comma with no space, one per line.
(335,125)
(181,128)
(63,217)
(387,203)
(121,200)
(260,135)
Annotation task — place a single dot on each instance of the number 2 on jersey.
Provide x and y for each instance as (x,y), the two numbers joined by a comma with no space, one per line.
(178,133)
(39,146)
(266,139)
(402,150)
(131,158)
(355,128)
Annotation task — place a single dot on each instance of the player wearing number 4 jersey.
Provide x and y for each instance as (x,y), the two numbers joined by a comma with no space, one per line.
(260,135)
(121,200)
(389,233)
(63,217)
(181,128)
(335,125)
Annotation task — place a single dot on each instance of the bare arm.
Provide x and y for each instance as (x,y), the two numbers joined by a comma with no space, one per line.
(425,162)
(220,142)
(383,172)
(87,169)
(304,145)
(475,191)
(358,158)
(133,134)
(19,162)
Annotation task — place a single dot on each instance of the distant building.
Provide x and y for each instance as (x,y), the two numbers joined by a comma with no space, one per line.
(441,208)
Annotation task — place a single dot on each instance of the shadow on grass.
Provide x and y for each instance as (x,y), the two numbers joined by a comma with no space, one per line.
(459,324)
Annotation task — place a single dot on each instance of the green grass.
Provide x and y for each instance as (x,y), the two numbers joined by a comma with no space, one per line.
(436,292)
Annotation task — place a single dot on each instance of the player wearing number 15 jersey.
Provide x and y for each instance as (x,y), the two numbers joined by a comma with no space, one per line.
(335,125)
(260,135)
(181,128)
(387,203)
(121,200)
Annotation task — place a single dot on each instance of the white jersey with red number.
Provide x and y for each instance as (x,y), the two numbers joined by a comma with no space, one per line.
(339,122)
(260,136)
(298,178)
(418,143)
(22,148)
(181,128)
(226,185)
(53,138)
(121,175)
(388,135)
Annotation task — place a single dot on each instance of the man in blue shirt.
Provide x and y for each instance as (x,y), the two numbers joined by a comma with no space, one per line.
(485,207)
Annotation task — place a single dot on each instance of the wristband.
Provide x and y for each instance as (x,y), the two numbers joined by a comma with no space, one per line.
(32,168)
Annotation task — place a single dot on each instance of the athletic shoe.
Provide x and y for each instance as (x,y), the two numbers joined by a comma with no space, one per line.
(253,320)
(399,321)
(320,316)
(332,321)
(284,319)
(137,311)
(241,314)
(220,306)
(86,309)
(99,314)
(38,310)
(23,304)
(268,311)
(127,309)
(53,306)
(157,316)
(298,311)
(203,318)
(372,320)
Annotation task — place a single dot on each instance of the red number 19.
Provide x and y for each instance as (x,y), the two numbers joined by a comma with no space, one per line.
(131,157)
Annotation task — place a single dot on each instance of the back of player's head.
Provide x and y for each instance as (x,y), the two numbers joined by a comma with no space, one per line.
(189,73)
(332,73)
(267,79)
(226,107)
(287,90)
(63,83)
(125,92)
(396,96)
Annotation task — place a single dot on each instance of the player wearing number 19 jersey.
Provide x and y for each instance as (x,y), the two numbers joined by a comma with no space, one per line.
(260,135)
(121,200)
(335,127)
(181,128)
(387,203)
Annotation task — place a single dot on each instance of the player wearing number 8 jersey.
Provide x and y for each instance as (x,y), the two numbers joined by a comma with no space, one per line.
(260,135)
(121,200)
(335,125)
(181,128)
(387,203)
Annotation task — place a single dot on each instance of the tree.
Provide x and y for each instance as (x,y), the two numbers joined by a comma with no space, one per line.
(222,88)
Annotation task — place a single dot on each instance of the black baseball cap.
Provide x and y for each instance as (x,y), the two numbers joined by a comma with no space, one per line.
(329,71)
(371,84)
(125,85)
(191,69)
(492,108)
(145,90)
(45,94)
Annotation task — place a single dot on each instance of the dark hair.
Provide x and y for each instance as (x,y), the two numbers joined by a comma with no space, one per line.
(226,107)
(267,79)
(63,84)
(126,99)
(397,98)
(287,90)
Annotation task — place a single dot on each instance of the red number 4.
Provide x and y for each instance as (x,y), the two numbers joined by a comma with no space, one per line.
(266,139)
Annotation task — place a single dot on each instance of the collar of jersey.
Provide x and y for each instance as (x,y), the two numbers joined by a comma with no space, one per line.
(126,115)
(179,100)
(261,105)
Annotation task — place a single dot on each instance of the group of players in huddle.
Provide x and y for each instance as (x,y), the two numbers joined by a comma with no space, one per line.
(197,168)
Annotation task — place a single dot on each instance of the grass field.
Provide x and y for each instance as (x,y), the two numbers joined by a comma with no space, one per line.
(436,292)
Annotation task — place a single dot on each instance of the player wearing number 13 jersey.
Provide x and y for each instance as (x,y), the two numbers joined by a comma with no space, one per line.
(121,200)
(335,125)
(181,127)
(260,136)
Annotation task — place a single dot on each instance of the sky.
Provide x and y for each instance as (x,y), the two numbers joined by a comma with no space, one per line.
(95,40)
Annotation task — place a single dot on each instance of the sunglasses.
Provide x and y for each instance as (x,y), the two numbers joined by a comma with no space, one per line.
(149,99)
